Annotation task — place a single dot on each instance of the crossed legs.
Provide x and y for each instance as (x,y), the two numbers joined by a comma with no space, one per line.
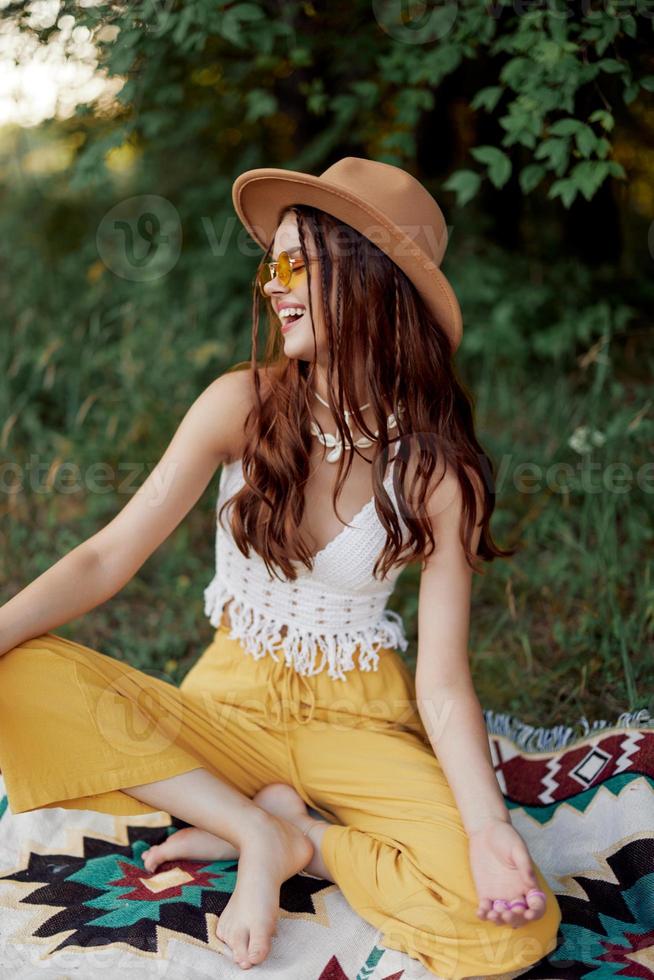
(271,849)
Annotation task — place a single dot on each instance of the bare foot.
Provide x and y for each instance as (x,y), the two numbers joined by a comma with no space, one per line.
(194,844)
(272,851)
(190,843)
(283,800)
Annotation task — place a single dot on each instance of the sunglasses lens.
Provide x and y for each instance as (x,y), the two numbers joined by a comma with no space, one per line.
(263,277)
(284,272)
(284,268)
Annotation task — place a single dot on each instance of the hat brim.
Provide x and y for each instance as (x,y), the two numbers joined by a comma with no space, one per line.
(259,196)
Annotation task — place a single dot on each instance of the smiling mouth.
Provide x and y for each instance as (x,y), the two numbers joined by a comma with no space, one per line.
(288,321)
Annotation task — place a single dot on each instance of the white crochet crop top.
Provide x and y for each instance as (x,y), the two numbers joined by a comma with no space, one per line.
(329,613)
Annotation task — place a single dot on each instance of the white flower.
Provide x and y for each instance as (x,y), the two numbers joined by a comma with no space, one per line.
(583,439)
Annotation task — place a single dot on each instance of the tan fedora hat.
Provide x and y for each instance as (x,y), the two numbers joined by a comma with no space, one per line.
(384,203)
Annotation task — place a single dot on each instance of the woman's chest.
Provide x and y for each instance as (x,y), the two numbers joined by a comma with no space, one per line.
(323,522)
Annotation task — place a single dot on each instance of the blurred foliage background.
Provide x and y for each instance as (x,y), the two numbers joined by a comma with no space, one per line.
(531,123)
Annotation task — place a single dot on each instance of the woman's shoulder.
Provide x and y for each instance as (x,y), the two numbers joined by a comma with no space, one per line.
(238,398)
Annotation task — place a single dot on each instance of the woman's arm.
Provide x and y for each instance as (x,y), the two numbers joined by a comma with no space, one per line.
(449,708)
(100,566)
(446,699)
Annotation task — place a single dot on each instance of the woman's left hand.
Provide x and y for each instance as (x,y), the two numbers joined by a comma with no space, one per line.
(501,868)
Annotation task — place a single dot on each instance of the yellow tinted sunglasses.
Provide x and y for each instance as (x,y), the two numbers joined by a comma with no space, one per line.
(286,269)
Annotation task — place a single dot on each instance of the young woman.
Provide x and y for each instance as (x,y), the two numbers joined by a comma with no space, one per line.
(301,699)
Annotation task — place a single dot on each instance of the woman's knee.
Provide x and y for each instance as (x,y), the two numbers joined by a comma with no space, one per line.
(439,919)
(504,951)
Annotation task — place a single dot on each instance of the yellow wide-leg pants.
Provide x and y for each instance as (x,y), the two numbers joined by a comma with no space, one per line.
(76,726)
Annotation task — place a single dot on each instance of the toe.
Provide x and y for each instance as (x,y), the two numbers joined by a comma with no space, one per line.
(259,947)
(499,912)
(514,915)
(240,947)
(536,906)
(484,908)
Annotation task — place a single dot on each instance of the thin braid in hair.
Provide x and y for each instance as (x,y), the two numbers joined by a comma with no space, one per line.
(398,356)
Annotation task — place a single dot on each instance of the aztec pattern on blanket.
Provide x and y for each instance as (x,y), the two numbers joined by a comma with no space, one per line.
(75,897)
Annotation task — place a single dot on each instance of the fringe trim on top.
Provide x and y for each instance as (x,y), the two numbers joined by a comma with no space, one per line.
(543,739)
(261,636)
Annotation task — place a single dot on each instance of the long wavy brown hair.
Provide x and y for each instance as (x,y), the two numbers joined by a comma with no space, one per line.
(380,322)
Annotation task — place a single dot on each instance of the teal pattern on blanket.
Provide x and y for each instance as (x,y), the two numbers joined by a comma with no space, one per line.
(106,895)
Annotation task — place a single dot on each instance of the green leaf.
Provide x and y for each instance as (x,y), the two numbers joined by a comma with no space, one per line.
(498,163)
(435,64)
(410,101)
(317,103)
(604,118)
(629,25)
(487,98)
(500,171)
(396,144)
(589,175)
(565,127)
(129,38)
(548,52)
(556,151)
(531,176)
(301,57)
(630,93)
(610,28)
(121,59)
(516,72)
(612,66)
(182,26)
(248,11)
(260,103)
(153,123)
(647,82)
(367,89)
(602,147)
(565,189)
(586,140)
(231,25)
(465,183)
(230,29)
(523,124)
(616,169)
(485,154)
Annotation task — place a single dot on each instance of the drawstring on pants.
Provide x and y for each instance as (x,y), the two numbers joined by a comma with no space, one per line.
(293,694)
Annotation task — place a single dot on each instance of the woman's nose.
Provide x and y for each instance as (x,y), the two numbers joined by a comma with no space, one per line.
(275,286)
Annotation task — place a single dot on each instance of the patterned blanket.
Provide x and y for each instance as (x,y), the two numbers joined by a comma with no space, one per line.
(75,898)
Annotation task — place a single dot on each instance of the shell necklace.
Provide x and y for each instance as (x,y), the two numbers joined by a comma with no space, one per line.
(335,443)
